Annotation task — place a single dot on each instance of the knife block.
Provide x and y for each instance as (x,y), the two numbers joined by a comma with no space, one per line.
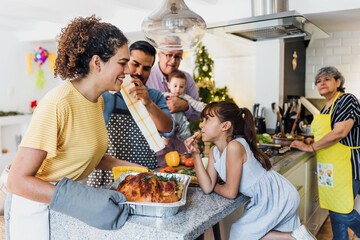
(260,125)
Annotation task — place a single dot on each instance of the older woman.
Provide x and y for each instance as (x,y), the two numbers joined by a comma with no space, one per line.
(337,145)
(67,137)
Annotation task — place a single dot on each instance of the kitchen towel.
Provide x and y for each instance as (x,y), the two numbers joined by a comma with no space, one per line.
(141,116)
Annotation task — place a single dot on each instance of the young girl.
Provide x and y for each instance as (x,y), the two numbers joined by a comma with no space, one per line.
(272,210)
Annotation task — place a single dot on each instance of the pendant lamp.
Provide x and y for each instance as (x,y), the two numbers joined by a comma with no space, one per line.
(173,26)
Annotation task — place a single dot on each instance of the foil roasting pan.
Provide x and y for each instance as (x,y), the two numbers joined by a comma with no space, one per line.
(156,209)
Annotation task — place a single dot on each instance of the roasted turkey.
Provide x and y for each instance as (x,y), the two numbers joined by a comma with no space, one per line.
(148,187)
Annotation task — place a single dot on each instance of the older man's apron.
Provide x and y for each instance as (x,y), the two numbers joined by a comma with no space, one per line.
(333,168)
(126,142)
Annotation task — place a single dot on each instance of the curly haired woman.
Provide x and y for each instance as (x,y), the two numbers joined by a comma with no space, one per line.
(67,137)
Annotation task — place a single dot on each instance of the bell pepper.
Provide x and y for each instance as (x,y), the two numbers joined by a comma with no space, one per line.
(172,159)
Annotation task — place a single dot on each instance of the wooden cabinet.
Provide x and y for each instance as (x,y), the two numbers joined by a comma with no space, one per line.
(12,128)
(297,177)
(304,178)
(315,216)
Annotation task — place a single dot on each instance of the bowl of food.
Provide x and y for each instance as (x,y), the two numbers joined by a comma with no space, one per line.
(287,140)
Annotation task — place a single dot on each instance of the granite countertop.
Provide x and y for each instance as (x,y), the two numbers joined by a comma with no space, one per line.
(200,212)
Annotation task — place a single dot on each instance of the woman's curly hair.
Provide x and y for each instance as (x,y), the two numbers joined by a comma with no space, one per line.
(80,41)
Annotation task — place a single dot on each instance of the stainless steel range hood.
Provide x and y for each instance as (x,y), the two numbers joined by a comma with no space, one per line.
(288,24)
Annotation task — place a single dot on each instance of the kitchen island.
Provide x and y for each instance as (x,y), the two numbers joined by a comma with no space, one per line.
(200,213)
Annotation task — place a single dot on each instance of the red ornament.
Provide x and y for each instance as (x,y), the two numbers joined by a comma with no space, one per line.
(33,104)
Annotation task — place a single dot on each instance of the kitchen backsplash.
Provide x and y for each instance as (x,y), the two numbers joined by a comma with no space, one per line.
(341,50)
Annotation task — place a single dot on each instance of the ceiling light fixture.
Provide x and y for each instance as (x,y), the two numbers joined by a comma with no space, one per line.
(173,26)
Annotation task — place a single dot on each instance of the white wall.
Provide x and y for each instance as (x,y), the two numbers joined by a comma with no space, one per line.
(17,88)
(234,66)
(269,77)
(238,74)
(341,50)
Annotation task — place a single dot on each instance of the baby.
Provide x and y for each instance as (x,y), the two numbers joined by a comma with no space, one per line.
(176,84)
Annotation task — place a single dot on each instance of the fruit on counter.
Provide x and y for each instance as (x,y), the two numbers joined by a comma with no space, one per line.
(182,160)
(167,170)
(189,162)
(172,159)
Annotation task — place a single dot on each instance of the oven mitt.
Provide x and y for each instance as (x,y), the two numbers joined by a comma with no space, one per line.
(100,208)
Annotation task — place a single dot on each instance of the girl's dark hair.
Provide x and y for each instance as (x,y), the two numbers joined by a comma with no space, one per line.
(332,72)
(177,74)
(243,125)
(80,41)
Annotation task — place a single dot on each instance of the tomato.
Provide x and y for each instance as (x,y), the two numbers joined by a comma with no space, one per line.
(169,169)
(162,170)
(189,162)
(182,160)
(166,170)
(172,159)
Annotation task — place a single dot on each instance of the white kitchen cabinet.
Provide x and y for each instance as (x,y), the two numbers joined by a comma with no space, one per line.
(12,129)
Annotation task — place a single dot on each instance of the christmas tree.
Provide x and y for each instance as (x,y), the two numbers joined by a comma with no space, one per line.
(204,80)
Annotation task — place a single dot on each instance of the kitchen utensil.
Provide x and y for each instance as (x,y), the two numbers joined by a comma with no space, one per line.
(276,110)
(295,122)
(268,145)
(312,109)
(262,115)
(256,109)
(260,122)
(305,129)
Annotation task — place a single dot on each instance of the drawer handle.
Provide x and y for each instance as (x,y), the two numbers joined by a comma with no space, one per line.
(299,187)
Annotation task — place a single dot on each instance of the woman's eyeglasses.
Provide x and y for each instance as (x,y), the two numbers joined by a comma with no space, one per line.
(170,56)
